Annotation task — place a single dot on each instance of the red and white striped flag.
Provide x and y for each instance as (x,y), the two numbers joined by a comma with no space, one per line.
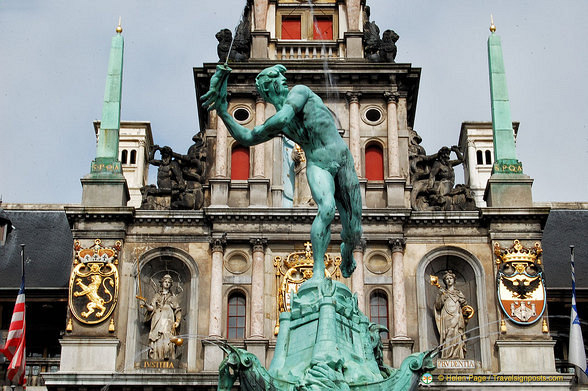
(14,349)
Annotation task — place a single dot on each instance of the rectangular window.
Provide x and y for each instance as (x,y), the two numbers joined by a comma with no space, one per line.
(291,27)
(322,28)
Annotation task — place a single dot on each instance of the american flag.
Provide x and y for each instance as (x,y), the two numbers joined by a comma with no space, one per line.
(14,349)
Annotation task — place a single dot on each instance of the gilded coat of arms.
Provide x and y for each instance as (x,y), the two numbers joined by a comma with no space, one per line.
(93,285)
(520,282)
(293,271)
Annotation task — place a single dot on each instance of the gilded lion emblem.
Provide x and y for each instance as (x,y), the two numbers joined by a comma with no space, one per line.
(96,302)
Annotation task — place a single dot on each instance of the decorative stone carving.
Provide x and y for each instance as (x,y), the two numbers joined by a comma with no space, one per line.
(433,179)
(258,244)
(397,244)
(218,244)
(302,194)
(376,49)
(179,178)
(451,315)
(241,46)
(164,313)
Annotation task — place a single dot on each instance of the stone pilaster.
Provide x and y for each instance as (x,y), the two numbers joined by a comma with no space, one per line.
(357,279)
(257,344)
(354,139)
(257,287)
(259,149)
(217,246)
(400,342)
(219,184)
(213,355)
(259,184)
(392,125)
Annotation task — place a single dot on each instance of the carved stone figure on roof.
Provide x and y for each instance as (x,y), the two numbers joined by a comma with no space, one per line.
(433,179)
(371,38)
(388,48)
(193,166)
(241,45)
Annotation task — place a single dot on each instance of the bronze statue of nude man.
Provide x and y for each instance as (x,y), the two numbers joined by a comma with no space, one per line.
(302,117)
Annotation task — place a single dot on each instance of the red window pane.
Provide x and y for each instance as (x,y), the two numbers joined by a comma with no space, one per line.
(236,317)
(323,28)
(374,163)
(240,163)
(291,27)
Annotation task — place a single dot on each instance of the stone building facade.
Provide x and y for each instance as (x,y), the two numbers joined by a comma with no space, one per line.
(224,259)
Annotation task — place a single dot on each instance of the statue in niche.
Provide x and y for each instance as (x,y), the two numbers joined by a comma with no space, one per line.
(433,179)
(451,315)
(165,314)
(241,45)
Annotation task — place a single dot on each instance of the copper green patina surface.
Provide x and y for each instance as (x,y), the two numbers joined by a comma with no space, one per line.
(505,159)
(302,116)
(106,163)
(324,343)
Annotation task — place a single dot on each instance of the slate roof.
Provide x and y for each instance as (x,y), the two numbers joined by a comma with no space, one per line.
(565,228)
(49,244)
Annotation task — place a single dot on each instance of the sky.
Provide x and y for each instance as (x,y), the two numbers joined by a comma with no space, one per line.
(54,58)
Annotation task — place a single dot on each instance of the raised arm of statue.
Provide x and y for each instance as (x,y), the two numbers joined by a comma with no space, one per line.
(151,159)
(459,159)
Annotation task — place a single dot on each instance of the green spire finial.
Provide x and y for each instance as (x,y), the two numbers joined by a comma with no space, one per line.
(106,162)
(505,160)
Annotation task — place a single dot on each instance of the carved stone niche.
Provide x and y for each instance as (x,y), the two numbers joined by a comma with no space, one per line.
(161,339)
(465,282)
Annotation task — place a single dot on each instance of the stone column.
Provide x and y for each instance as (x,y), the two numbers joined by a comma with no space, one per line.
(393,150)
(353,36)
(260,36)
(213,355)
(257,287)
(259,184)
(220,170)
(217,246)
(397,246)
(219,184)
(259,149)
(401,344)
(357,280)
(257,344)
(394,181)
(354,139)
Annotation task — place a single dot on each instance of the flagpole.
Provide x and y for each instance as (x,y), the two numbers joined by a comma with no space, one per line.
(22,259)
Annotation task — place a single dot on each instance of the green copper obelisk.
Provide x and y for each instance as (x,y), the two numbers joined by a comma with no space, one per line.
(105,185)
(505,159)
(508,186)
(106,162)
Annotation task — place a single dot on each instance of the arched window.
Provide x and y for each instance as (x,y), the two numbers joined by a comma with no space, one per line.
(240,163)
(123,156)
(488,157)
(374,163)
(133,156)
(379,310)
(479,157)
(236,316)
